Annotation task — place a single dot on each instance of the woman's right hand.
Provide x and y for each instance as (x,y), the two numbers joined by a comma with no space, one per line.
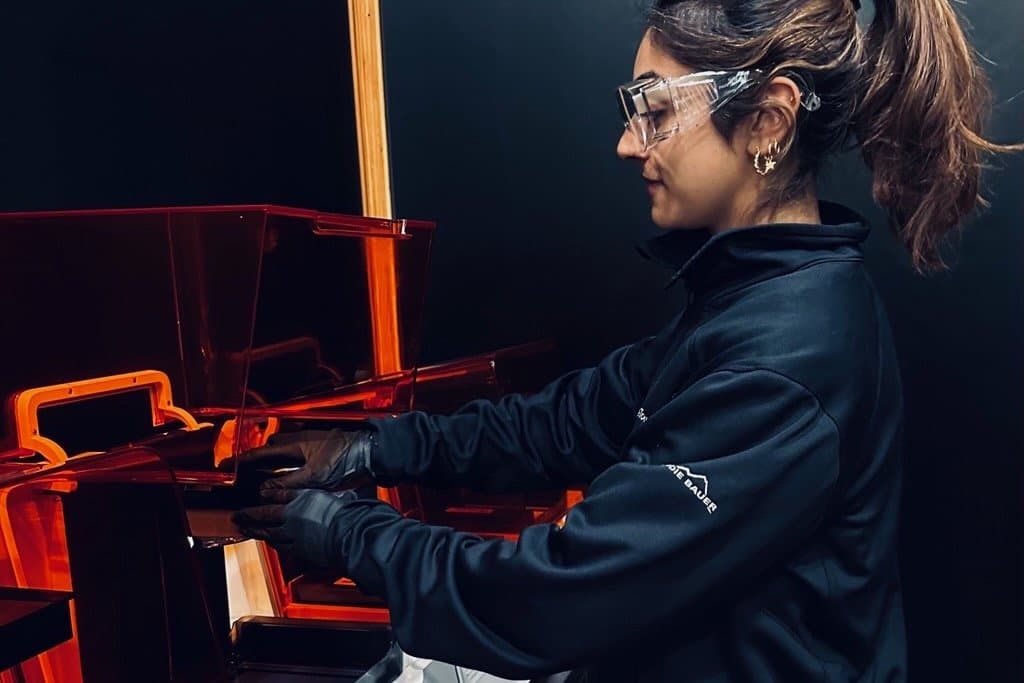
(331,459)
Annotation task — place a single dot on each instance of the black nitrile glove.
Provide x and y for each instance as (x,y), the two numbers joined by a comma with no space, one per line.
(303,528)
(329,460)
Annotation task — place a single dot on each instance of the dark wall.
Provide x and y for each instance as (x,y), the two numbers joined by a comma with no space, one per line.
(140,104)
(503,125)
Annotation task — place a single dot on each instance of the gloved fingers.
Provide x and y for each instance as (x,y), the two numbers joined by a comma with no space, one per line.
(263,523)
(299,479)
(262,516)
(275,489)
(287,449)
(278,494)
(273,455)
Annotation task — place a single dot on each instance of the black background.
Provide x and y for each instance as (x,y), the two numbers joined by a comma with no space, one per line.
(503,127)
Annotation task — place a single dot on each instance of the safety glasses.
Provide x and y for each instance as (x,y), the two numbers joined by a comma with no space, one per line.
(655,109)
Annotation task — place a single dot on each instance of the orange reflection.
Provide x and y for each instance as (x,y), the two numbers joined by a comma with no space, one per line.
(34,554)
(383,283)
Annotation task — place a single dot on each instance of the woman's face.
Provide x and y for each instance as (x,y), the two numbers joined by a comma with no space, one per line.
(696,179)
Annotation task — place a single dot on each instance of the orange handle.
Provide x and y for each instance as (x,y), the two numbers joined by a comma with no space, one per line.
(27,405)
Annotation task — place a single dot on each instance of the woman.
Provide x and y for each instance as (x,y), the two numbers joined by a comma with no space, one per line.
(743,464)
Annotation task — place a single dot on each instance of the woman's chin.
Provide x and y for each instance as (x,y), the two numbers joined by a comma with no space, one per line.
(658,217)
(672,222)
(662,219)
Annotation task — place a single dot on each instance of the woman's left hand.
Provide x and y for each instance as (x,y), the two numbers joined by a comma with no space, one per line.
(302,527)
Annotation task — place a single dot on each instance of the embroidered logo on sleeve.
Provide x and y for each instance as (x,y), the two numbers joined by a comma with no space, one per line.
(641,415)
(697,484)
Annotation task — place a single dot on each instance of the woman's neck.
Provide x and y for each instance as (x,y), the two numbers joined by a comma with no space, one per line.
(802,210)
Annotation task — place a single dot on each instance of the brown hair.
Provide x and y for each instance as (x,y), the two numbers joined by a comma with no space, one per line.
(908,90)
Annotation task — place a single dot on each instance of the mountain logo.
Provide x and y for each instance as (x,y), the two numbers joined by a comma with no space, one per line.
(697,484)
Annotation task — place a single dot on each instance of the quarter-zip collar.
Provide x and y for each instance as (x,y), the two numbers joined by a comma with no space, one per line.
(728,260)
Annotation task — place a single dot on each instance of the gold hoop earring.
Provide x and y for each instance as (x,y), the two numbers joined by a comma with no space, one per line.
(769,159)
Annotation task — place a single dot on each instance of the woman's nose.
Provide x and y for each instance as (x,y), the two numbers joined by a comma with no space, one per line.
(629,146)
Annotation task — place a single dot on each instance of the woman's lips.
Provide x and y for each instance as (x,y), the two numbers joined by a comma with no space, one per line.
(652,186)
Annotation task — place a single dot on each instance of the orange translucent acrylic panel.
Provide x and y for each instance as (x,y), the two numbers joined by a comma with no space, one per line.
(240,306)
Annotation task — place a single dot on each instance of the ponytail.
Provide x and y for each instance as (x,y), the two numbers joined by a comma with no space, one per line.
(920,122)
(909,90)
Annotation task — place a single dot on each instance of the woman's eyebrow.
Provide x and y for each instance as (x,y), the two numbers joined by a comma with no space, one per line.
(647,74)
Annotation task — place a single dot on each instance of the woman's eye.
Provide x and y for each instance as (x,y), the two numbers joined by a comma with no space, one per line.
(657,116)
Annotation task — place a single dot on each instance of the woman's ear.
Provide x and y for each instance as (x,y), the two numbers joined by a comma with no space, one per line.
(775,119)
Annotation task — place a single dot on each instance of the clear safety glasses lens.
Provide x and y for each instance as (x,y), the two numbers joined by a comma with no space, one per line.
(655,109)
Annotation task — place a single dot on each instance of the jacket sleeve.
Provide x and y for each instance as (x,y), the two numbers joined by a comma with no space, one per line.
(741,479)
(562,436)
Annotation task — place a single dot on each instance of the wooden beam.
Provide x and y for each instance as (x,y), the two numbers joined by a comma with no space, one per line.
(375,177)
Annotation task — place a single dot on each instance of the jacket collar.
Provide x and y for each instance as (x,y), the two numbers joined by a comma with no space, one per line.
(711,263)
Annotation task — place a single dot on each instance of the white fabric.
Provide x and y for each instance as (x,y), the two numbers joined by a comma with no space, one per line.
(417,670)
